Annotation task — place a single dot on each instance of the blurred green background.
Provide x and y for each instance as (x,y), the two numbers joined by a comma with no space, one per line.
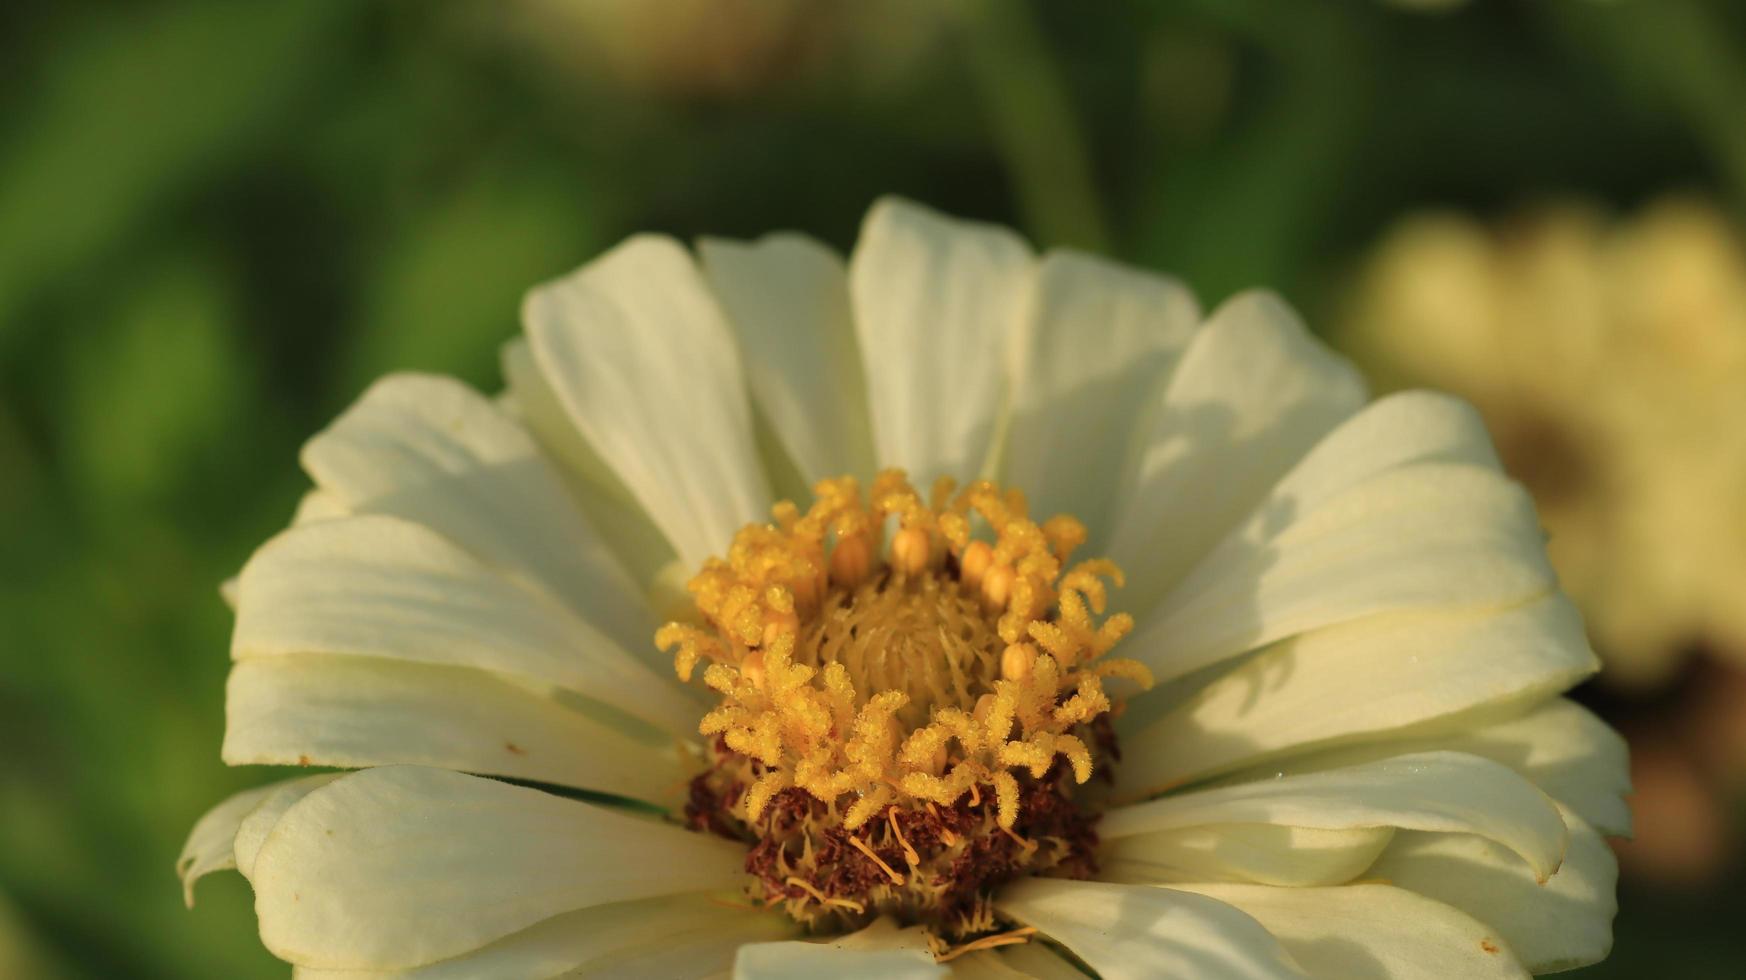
(218,221)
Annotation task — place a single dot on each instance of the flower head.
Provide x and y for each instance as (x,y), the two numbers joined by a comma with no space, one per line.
(754,629)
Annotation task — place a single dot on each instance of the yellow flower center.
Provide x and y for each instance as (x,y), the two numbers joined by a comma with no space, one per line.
(883,721)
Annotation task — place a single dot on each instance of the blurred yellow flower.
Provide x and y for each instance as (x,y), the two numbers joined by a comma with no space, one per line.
(1610,360)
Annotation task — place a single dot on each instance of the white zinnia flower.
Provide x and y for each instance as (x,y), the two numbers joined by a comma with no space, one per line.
(1353,760)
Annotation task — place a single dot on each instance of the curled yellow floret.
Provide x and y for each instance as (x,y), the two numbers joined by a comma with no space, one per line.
(969,653)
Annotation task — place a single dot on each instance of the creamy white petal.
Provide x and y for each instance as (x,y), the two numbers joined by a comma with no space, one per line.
(210,845)
(384,587)
(614,510)
(706,955)
(1361,679)
(1140,931)
(261,820)
(787,298)
(1253,392)
(1103,339)
(677,936)
(1267,854)
(1561,924)
(1036,959)
(1414,537)
(938,305)
(797,960)
(985,965)
(881,951)
(1027,961)
(314,505)
(1373,932)
(362,711)
(1396,430)
(319,505)
(635,348)
(433,451)
(1557,744)
(1575,757)
(404,866)
(1442,791)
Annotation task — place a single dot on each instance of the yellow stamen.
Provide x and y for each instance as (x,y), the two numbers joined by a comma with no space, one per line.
(1016,937)
(861,845)
(851,561)
(911,551)
(823,899)
(903,681)
(997,586)
(909,854)
(752,669)
(974,563)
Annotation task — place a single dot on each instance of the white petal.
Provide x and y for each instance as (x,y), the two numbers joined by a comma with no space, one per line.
(677,936)
(1103,340)
(787,298)
(1361,679)
(1035,959)
(1568,752)
(314,505)
(1025,961)
(881,951)
(985,965)
(1394,431)
(384,587)
(938,304)
(1372,932)
(1267,854)
(210,843)
(1414,537)
(261,820)
(405,866)
(1443,791)
(1139,931)
(635,347)
(433,451)
(614,510)
(805,961)
(361,711)
(319,505)
(1562,924)
(707,955)
(1558,745)
(1253,392)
